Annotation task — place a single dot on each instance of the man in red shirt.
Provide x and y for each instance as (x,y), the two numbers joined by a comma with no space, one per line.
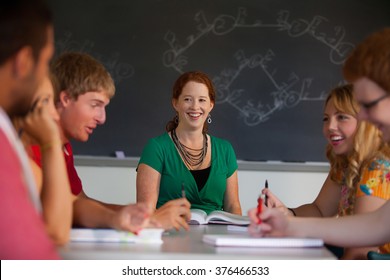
(26,46)
(85,89)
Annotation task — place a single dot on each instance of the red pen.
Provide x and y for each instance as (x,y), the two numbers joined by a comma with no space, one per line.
(259,208)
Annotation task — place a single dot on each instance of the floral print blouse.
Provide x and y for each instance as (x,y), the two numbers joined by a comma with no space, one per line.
(375,181)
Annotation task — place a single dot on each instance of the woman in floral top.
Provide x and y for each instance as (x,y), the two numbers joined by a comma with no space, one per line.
(359,178)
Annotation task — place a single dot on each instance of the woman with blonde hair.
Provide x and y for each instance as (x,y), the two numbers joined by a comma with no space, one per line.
(359,177)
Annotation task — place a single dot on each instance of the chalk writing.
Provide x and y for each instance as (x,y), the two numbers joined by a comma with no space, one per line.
(339,49)
(286,94)
(118,70)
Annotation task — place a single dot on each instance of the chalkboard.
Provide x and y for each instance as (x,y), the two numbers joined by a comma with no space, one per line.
(272,61)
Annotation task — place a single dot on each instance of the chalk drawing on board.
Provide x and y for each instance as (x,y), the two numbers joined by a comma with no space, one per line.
(284,95)
(118,70)
(339,49)
(287,94)
(224,24)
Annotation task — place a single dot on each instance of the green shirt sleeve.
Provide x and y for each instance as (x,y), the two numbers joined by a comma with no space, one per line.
(231,159)
(153,155)
(225,155)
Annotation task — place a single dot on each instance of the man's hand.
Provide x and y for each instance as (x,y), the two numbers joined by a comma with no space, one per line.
(132,217)
(174,214)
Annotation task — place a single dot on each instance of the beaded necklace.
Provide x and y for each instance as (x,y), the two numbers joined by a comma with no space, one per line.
(192,157)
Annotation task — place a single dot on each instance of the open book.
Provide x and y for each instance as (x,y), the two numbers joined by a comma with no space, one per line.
(199,217)
(241,240)
(147,235)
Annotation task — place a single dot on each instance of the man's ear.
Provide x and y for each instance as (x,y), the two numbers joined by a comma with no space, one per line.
(23,63)
(64,99)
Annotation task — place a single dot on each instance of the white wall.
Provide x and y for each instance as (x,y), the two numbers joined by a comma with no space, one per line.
(293,188)
(109,184)
(117,185)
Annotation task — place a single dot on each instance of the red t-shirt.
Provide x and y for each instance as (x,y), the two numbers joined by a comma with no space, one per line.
(74,179)
(22,231)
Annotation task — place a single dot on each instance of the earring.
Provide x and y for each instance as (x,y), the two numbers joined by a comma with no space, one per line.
(176,119)
(209,120)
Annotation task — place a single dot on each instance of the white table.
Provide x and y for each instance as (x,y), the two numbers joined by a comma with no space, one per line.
(187,245)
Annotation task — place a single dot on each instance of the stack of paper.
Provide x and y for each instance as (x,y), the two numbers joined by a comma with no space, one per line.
(248,241)
(148,235)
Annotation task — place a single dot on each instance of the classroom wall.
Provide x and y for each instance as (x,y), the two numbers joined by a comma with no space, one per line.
(294,185)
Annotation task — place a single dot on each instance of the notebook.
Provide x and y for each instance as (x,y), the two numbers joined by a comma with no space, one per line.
(241,240)
(147,235)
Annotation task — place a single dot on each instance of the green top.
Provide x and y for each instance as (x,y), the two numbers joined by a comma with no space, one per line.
(160,153)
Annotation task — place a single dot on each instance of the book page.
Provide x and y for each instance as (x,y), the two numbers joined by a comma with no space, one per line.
(198,217)
(222,217)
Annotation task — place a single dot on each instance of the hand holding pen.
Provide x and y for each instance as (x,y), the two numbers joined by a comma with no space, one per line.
(272,201)
(174,213)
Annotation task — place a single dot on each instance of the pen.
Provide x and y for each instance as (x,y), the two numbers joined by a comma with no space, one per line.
(183,191)
(259,208)
(266,196)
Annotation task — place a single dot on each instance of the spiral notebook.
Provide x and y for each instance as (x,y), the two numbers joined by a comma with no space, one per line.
(240,240)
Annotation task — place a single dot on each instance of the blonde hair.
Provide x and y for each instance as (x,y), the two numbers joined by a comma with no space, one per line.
(78,73)
(367,142)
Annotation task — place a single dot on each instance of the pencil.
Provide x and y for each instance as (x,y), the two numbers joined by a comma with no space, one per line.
(266,196)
